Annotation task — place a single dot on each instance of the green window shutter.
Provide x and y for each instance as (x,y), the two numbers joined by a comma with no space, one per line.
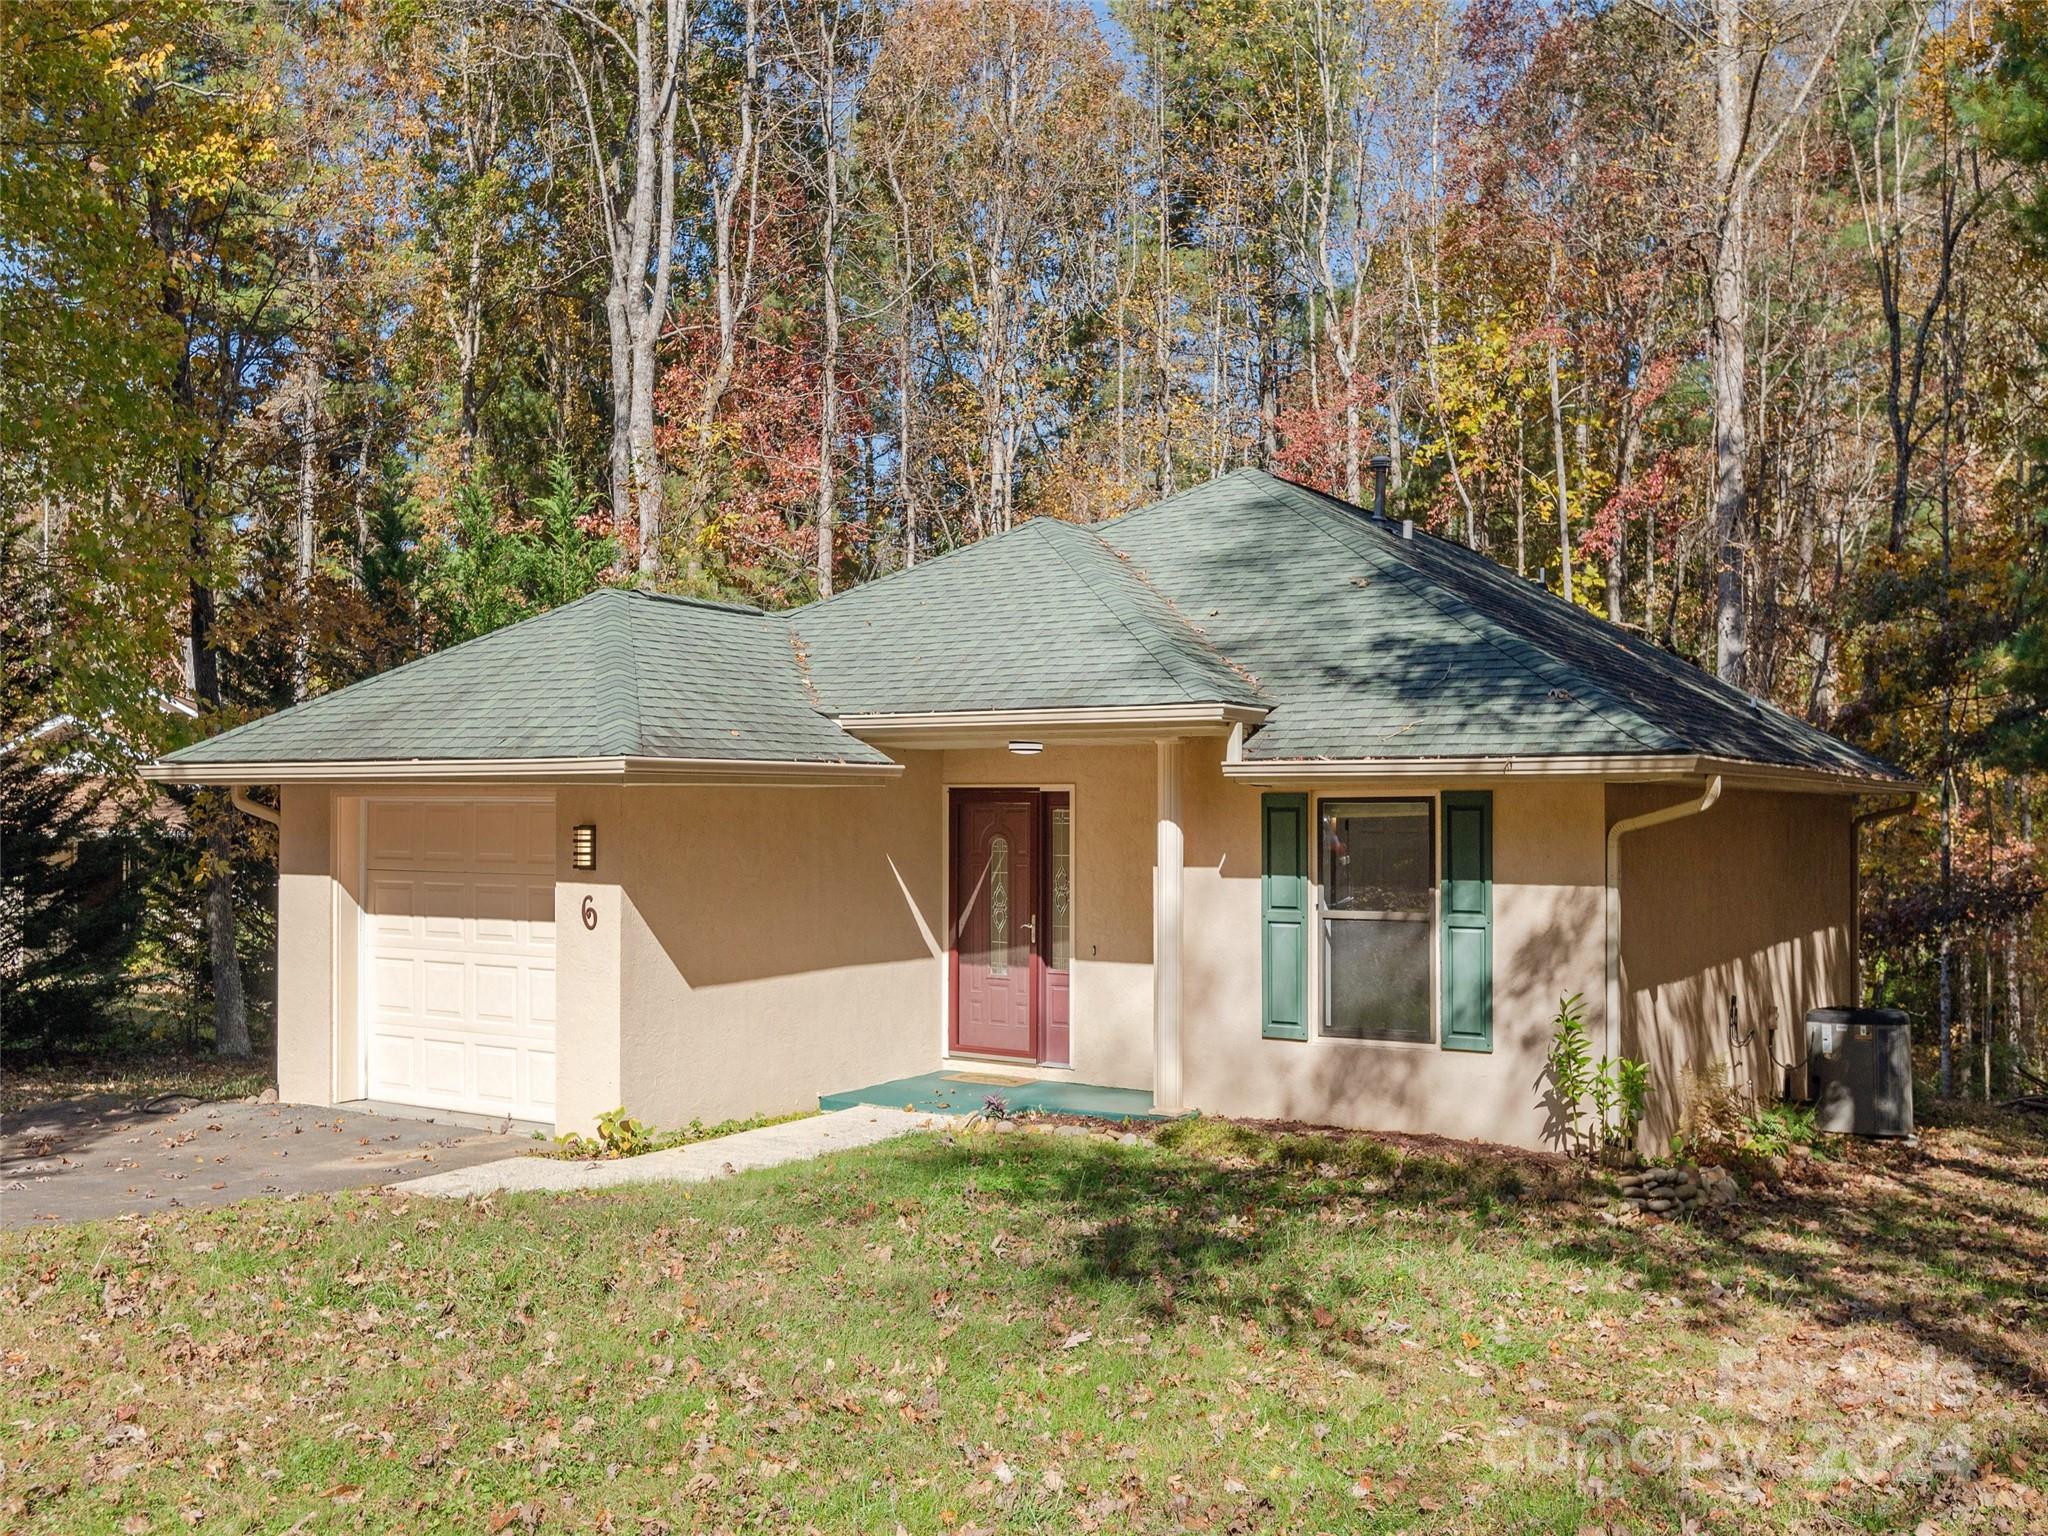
(1468,920)
(1284,906)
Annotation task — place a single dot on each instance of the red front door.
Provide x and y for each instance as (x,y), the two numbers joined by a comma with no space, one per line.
(995,921)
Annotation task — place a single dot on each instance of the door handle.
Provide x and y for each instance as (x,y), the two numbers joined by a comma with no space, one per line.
(1030,926)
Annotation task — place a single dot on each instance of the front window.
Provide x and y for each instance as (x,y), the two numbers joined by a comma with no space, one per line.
(1375,868)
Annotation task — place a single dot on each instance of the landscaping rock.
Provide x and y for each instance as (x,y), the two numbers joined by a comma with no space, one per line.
(1673,1190)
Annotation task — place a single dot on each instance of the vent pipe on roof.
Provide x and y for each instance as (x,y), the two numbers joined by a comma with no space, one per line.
(1380,465)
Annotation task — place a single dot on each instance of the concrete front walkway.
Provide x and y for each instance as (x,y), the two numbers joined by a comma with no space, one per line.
(704,1160)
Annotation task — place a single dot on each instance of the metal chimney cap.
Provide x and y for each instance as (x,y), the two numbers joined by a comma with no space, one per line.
(1382,461)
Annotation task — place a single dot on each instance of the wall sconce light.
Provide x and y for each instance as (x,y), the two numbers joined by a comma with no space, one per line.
(583,847)
(1027,748)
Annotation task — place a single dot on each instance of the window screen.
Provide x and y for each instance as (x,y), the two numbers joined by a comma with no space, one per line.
(1376,873)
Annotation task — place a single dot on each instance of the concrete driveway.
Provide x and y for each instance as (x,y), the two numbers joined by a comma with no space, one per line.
(88,1158)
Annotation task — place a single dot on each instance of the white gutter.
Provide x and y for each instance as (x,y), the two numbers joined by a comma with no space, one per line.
(560,770)
(239,796)
(1615,833)
(1642,768)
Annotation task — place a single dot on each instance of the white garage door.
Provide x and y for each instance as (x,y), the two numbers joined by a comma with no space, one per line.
(460,954)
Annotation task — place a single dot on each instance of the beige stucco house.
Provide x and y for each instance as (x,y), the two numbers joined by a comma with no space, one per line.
(1247,800)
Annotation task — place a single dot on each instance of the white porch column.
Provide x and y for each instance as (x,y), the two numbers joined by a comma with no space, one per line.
(1167,900)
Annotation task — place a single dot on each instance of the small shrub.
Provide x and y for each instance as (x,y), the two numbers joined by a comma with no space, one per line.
(618,1135)
(996,1107)
(1721,1125)
(1632,1089)
(1776,1129)
(623,1136)
(1619,1091)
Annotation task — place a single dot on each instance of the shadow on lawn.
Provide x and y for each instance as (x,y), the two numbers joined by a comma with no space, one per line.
(1202,1230)
(1936,1245)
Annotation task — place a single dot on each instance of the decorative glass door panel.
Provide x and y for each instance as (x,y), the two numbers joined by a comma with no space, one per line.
(996,922)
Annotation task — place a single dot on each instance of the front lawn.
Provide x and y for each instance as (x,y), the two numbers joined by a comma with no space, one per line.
(1244,1331)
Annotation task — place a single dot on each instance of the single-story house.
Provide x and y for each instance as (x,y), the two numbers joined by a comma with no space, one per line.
(1246,799)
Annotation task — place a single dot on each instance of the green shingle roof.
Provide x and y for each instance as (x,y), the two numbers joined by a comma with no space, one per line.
(615,674)
(1246,591)
(1047,616)
(1376,646)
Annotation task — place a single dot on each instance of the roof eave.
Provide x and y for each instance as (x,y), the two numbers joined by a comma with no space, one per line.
(1619,768)
(1088,726)
(791,773)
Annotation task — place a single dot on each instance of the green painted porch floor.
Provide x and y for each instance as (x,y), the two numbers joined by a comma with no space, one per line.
(961,1091)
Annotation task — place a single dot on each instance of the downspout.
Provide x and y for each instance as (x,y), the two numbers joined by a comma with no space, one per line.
(1615,834)
(238,796)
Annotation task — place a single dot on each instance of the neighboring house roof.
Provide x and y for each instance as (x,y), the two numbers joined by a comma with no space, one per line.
(1378,646)
(616,675)
(1047,616)
(1330,634)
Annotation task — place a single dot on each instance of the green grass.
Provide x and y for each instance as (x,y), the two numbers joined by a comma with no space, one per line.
(1232,1330)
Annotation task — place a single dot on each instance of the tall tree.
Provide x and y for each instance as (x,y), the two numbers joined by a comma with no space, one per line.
(628,65)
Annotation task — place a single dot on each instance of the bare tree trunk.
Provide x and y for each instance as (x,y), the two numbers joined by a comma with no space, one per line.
(477,119)
(1564,514)
(1269,371)
(359,512)
(906,339)
(1984,1030)
(1629,449)
(230,1007)
(1521,497)
(309,484)
(1162,340)
(828,236)
(2027,1011)
(1727,340)
(635,188)
(217,864)
(1966,1009)
(906,486)
(1218,385)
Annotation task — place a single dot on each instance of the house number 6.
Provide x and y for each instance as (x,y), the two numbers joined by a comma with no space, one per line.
(589,913)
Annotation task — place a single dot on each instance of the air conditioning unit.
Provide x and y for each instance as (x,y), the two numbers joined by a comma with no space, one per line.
(1860,1066)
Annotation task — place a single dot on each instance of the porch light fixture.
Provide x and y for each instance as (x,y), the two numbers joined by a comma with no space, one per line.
(583,847)
(1027,748)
